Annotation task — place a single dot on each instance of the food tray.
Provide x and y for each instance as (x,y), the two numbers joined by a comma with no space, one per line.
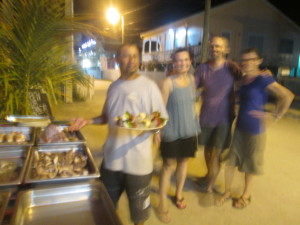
(93,171)
(76,204)
(19,155)
(30,121)
(29,132)
(4,199)
(77,134)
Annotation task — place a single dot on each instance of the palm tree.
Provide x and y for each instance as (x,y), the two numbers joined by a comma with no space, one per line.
(33,52)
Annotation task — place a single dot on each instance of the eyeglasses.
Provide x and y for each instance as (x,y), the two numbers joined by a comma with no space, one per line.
(249,60)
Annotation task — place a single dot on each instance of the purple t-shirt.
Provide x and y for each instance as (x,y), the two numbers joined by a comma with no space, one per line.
(253,96)
(218,93)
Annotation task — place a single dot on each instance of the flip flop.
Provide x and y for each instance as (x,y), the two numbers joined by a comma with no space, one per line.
(241,203)
(180,203)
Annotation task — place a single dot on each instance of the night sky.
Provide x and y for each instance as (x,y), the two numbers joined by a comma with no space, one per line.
(142,15)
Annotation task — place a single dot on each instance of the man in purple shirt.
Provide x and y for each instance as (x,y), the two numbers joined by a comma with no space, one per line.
(216,80)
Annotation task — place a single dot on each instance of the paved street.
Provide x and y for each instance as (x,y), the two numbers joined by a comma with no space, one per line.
(276,195)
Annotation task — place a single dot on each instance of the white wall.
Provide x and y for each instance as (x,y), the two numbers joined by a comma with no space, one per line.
(157,77)
(241,19)
(113,75)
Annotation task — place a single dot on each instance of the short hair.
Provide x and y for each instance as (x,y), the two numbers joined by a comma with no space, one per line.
(178,50)
(119,50)
(252,50)
(224,39)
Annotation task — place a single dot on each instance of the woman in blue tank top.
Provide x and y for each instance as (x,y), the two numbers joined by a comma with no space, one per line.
(179,137)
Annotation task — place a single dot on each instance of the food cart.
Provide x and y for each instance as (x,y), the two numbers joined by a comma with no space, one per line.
(49,182)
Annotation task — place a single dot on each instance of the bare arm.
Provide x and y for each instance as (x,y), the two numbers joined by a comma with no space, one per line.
(78,123)
(102,119)
(283,96)
(193,81)
(166,88)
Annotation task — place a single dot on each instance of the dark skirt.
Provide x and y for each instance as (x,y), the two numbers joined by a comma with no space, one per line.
(180,148)
(247,152)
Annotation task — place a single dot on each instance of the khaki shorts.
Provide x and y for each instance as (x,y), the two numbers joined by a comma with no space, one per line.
(247,152)
(218,137)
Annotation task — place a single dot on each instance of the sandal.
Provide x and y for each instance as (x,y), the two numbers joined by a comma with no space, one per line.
(242,202)
(225,197)
(180,203)
(164,216)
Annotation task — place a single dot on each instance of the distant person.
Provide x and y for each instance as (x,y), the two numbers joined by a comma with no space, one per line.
(127,162)
(247,149)
(179,137)
(216,79)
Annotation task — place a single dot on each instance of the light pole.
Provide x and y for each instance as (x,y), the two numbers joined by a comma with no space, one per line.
(122,29)
(113,16)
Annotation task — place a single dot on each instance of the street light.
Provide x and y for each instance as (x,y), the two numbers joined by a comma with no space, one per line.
(113,16)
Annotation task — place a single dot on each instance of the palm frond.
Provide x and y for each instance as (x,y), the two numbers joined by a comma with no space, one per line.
(35,48)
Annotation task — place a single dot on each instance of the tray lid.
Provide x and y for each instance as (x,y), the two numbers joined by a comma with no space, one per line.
(30,121)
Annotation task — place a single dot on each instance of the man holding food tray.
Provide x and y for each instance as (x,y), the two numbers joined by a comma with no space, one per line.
(127,163)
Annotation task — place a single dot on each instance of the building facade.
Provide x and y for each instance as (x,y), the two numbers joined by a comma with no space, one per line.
(246,23)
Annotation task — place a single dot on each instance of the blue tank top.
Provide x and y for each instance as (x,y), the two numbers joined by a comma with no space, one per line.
(183,121)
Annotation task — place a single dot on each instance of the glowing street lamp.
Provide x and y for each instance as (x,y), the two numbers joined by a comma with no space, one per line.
(113,16)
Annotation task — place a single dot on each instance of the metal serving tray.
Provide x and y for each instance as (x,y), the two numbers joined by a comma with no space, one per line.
(93,171)
(77,204)
(30,133)
(4,199)
(20,155)
(30,121)
(77,134)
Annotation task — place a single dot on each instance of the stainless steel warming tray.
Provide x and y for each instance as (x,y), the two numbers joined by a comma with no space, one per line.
(75,137)
(4,199)
(13,163)
(91,170)
(30,121)
(29,133)
(76,204)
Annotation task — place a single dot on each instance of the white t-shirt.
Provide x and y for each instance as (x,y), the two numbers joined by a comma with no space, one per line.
(127,150)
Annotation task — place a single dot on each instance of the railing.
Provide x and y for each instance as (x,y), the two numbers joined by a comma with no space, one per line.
(165,56)
(162,57)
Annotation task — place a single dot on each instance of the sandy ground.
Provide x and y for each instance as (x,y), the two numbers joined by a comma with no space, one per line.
(276,194)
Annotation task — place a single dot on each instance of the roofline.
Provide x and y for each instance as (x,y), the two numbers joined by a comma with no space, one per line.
(172,24)
(282,14)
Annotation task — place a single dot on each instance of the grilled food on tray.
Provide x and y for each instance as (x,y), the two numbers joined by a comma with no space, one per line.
(53,133)
(48,165)
(141,121)
(8,170)
(13,137)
